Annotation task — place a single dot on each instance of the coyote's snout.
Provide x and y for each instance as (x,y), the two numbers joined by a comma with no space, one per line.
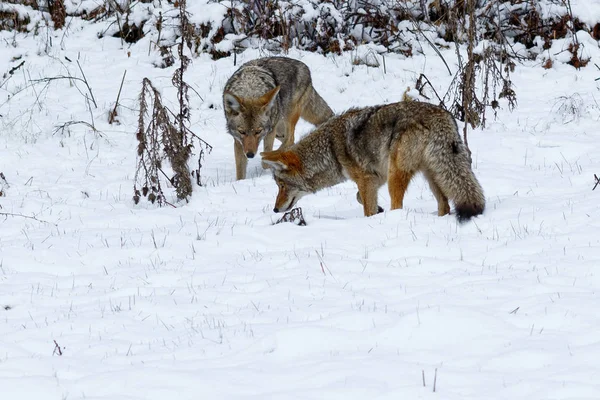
(250,119)
(290,190)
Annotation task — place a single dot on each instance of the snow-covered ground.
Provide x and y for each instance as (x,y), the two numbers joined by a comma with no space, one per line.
(211,300)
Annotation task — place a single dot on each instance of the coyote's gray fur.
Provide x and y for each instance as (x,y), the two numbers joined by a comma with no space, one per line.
(264,99)
(374,144)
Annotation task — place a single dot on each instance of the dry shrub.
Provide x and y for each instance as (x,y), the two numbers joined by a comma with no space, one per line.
(326,27)
(96,14)
(576,60)
(369,59)
(596,31)
(12,21)
(162,135)
(568,109)
(158,139)
(484,77)
(131,33)
(58,13)
(165,135)
(30,3)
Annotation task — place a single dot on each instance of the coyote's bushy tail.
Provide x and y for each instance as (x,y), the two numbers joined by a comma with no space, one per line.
(316,110)
(450,165)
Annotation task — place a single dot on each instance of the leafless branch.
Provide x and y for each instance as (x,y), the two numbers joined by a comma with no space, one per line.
(6,215)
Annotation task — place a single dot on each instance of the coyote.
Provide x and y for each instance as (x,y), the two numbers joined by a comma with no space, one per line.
(374,144)
(264,99)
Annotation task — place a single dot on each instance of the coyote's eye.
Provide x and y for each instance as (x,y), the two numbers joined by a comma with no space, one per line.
(258,131)
(241,132)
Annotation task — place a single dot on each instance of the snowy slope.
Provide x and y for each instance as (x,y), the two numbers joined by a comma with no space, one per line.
(210,300)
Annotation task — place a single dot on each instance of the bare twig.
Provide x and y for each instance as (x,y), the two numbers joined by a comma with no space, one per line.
(11,73)
(86,84)
(13,69)
(6,215)
(424,10)
(59,77)
(433,46)
(57,349)
(189,131)
(113,114)
(65,125)
(419,85)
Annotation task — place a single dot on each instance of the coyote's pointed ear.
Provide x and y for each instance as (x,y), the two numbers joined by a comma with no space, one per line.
(233,104)
(268,99)
(272,160)
(282,161)
(274,165)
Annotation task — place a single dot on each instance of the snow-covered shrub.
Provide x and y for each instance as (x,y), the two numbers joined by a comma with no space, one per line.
(527,27)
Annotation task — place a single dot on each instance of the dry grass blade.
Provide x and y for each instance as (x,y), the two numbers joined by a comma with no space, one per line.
(113,114)
(62,127)
(57,349)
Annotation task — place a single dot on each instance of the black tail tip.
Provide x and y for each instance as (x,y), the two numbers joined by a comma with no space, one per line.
(464,212)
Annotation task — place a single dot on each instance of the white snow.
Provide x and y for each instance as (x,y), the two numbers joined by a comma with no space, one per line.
(211,300)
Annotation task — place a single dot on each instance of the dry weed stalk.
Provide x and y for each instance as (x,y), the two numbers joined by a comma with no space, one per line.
(182,146)
(155,139)
(113,114)
(166,135)
(493,65)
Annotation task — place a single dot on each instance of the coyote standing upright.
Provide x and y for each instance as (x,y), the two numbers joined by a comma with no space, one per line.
(374,144)
(264,99)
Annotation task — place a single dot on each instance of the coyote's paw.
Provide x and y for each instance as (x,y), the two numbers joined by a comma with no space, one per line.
(379,208)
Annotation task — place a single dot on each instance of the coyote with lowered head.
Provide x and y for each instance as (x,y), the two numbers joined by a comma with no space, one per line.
(263,100)
(374,144)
